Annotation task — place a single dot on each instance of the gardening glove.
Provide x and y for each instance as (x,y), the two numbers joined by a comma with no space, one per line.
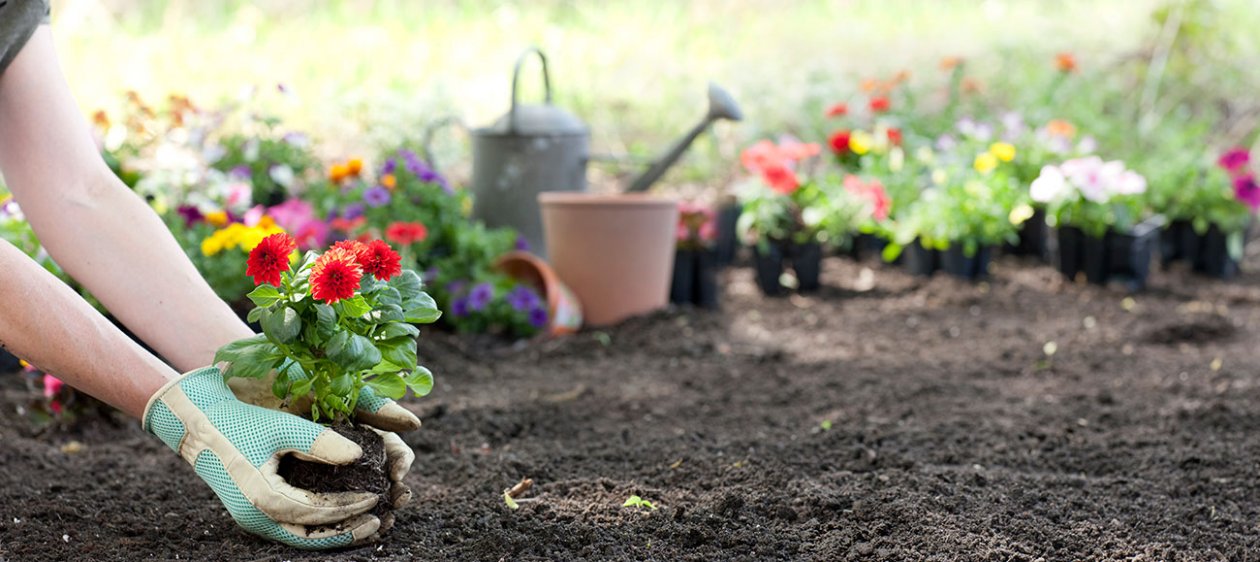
(380,414)
(236,448)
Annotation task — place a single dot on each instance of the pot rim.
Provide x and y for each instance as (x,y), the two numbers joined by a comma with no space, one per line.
(580,199)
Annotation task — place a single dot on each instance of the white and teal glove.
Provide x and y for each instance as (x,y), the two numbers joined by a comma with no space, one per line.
(236,448)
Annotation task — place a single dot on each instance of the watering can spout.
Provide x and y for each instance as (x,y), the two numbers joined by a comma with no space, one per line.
(721,106)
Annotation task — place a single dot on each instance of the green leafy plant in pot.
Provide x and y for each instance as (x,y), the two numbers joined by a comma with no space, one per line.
(339,340)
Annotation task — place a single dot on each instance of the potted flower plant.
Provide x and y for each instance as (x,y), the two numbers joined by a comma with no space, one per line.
(336,331)
(1209,207)
(1098,209)
(695,258)
(783,214)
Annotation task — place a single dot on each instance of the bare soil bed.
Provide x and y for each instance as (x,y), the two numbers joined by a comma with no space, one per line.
(886,418)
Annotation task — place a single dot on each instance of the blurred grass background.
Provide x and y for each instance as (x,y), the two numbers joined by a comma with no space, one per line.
(371,73)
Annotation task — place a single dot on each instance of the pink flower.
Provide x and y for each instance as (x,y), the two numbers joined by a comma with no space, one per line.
(52,385)
(708,231)
(238,195)
(298,216)
(1246,190)
(1235,159)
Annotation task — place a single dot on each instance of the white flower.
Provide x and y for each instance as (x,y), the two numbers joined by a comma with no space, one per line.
(1130,183)
(282,174)
(1051,185)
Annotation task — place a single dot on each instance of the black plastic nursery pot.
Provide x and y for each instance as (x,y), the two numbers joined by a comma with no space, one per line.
(919,260)
(728,244)
(956,262)
(695,278)
(1213,256)
(1071,251)
(867,246)
(1118,256)
(768,266)
(1179,242)
(1033,237)
(807,264)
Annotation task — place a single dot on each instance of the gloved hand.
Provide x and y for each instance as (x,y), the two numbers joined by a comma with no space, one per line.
(381,414)
(236,448)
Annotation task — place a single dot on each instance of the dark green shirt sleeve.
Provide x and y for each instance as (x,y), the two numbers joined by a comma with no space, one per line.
(18,20)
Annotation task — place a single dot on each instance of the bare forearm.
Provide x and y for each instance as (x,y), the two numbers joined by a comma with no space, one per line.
(45,322)
(96,229)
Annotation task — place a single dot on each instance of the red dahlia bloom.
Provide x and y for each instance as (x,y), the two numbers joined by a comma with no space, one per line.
(335,275)
(780,178)
(838,110)
(839,141)
(354,247)
(894,136)
(879,104)
(270,258)
(380,260)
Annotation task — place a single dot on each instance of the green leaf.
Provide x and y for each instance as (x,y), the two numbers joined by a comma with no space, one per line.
(389,295)
(511,503)
(280,385)
(397,330)
(300,388)
(408,284)
(342,385)
(420,381)
(255,314)
(399,351)
(252,357)
(389,386)
(264,295)
(283,325)
(353,352)
(354,307)
(422,309)
(388,313)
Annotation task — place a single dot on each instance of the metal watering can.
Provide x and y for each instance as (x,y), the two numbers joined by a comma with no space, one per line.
(537,148)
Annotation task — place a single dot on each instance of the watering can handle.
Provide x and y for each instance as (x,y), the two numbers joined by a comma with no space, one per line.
(516,74)
(426,141)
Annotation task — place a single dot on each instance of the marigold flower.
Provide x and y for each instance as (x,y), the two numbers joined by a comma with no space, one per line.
(335,275)
(879,104)
(1004,151)
(270,258)
(860,142)
(406,233)
(1061,128)
(100,119)
(217,218)
(1065,62)
(950,63)
(839,141)
(338,172)
(870,85)
(389,181)
(985,162)
(354,166)
(838,110)
(378,259)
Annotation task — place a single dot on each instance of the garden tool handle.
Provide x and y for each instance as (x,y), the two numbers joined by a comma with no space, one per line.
(516,74)
(426,140)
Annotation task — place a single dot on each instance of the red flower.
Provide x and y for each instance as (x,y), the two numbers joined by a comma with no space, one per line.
(839,141)
(1065,62)
(270,258)
(894,136)
(780,178)
(406,233)
(838,110)
(335,275)
(879,104)
(380,260)
(347,225)
(353,247)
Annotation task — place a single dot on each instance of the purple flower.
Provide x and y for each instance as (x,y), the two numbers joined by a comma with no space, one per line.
(455,286)
(389,167)
(1235,159)
(1246,190)
(190,213)
(297,139)
(521,243)
(522,298)
(480,296)
(240,173)
(429,274)
(376,196)
(538,317)
(459,307)
(353,211)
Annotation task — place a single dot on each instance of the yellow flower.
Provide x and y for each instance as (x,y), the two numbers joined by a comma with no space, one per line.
(212,245)
(1020,214)
(985,162)
(354,166)
(217,218)
(1004,151)
(389,181)
(860,142)
(251,238)
(939,177)
(266,222)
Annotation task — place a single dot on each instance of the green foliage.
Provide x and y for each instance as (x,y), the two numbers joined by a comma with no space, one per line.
(636,501)
(275,164)
(332,352)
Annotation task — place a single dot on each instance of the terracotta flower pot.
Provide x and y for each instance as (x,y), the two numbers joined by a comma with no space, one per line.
(564,313)
(615,251)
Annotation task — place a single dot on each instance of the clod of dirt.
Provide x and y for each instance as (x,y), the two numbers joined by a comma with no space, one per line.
(368,474)
(1196,330)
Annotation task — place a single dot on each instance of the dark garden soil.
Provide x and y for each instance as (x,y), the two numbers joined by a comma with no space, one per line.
(368,474)
(885,418)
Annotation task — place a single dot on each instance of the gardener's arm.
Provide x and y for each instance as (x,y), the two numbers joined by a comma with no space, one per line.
(98,230)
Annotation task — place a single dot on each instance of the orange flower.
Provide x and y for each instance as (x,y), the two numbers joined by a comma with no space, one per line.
(870,85)
(1061,128)
(970,85)
(100,119)
(338,172)
(950,63)
(901,77)
(1065,62)
(354,166)
(389,181)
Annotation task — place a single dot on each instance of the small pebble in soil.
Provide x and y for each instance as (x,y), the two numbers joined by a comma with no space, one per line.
(1090,322)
